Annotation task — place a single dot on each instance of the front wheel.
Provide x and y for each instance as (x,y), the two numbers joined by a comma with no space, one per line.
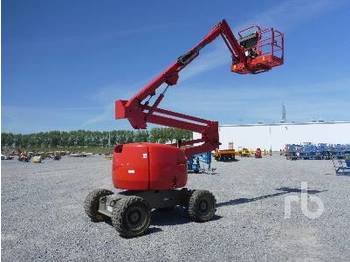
(201,206)
(131,216)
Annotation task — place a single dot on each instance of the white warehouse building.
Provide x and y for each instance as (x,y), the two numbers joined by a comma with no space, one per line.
(275,136)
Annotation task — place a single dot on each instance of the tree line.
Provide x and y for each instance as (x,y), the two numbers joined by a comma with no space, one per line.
(84,138)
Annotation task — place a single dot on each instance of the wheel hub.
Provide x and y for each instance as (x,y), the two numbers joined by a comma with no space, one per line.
(134,216)
(203,206)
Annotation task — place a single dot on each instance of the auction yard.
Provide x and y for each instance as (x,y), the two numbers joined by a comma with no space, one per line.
(43,217)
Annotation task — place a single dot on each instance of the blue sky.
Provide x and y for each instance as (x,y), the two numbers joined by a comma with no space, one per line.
(64,63)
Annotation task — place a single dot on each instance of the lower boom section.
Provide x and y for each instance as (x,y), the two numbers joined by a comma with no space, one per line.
(130,211)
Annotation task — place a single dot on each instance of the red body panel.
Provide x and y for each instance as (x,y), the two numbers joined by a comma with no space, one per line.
(146,166)
(260,63)
(131,166)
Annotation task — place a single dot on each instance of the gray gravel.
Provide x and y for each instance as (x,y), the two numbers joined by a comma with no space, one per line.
(43,217)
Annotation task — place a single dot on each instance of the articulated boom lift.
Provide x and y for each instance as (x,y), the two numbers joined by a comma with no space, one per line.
(150,172)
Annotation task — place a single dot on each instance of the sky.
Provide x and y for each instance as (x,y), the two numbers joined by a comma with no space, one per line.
(64,63)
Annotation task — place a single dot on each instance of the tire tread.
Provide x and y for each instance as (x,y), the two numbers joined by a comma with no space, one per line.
(91,204)
(119,211)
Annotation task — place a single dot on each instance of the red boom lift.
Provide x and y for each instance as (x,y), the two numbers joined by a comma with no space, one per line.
(151,174)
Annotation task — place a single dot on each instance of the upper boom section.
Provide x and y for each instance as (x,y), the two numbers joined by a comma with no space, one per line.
(256,51)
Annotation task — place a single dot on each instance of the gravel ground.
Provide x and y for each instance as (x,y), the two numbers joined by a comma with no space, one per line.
(43,217)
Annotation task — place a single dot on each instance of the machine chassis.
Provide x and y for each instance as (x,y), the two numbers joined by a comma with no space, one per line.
(155,198)
(130,211)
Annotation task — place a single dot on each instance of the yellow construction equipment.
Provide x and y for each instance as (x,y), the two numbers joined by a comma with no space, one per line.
(244,152)
(225,155)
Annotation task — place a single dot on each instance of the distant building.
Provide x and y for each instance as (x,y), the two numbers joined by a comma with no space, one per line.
(276,135)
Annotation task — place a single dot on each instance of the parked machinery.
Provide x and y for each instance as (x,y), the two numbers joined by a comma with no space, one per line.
(151,174)
(292,152)
(341,166)
(194,163)
(6,157)
(309,151)
(258,153)
(23,156)
(225,155)
(244,152)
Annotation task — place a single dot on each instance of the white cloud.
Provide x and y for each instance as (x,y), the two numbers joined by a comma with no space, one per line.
(245,103)
(289,14)
(207,61)
(106,97)
(106,114)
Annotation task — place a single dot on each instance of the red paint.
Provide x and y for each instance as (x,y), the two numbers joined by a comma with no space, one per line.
(146,166)
(258,153)
(165,167)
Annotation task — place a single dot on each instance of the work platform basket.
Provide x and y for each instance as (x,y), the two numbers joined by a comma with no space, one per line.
(263,48)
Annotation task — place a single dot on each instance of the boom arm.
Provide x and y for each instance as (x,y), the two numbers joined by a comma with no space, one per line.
(139,112)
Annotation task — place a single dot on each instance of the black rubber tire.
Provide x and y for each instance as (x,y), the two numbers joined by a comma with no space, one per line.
(91,204)
(201,206)
(127,209)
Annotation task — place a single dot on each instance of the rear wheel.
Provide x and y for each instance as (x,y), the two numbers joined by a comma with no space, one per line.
(201,206)
(92,202)
(131,216)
